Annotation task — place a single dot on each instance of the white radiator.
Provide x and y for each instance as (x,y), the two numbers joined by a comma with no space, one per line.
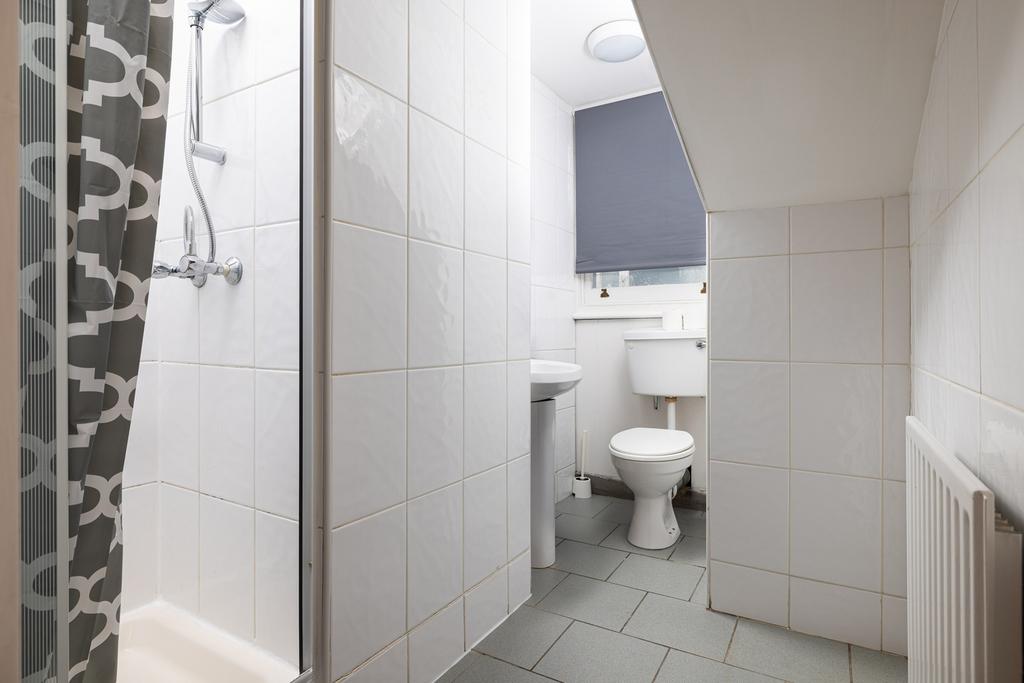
(963,572)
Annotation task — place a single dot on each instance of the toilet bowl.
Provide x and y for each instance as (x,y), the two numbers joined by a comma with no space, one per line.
(651,462)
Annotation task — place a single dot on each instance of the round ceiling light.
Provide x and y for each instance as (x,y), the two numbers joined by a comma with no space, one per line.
(616,41)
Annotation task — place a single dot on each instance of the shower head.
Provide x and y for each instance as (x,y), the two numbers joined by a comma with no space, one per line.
(219,11)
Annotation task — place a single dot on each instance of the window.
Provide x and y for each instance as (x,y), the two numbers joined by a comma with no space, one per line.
(646,286)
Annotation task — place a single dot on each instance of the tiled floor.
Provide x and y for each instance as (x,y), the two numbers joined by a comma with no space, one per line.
(606,611)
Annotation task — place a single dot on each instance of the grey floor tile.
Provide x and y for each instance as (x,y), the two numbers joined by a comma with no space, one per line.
(786,654)
(675,579)
(620,511)
(700,594)
(870,666)
(692,524)
(489,670)
(584,529)
(692,550)
(584,507)
(586,654)
(682,625)
(542,581)
(682,667)
(617,539)
(524,637)
(460,667)
(595,602)
(588,560)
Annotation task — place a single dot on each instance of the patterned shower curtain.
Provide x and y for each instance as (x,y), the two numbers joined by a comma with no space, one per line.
(119,62)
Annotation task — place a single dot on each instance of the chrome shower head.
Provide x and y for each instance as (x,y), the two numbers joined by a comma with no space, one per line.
(219,11)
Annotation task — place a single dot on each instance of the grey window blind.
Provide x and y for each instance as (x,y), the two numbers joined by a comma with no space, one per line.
(636,203)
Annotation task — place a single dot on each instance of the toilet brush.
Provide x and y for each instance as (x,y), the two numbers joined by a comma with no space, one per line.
(581,484)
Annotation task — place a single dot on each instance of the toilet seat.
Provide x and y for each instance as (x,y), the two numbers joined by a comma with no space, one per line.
(647,444)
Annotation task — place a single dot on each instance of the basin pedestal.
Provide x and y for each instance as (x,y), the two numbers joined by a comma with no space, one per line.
(542,483)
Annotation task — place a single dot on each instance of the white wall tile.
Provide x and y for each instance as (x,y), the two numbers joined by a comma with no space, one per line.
(551,322)
(277,576)
(518,213)
(896,407)
(837,226)
(226,565)
(228,123)
(518,506)
(894,538)
(437,644)
(894,625)
(140,520)
(490,18)
(179,303)
(519,87)
(962,45)
(837,418)
(435,552)
(896,306)
(837,307)
(179,457)
(141,464)
(1002,279)
(485,528)
(367,444)
(1001,464)
(226,311)
(277,457)
(836,529)
(277,149)
(486,200)
(368,579)
(175,189)
(1001,69)
(518,311)
(486,92)
(276,321)
(844,614)
(368,300)
(278,34)
(390,665)
(749,412)
(486,417)
(750,593)
(226,433)
(179,547)
(435,305)
(553,257)
(748,515)
(435,428)
(519,581)
(436,188)
(518,409)
(236,47)
(371,39)
(755,232)
(486,606)
(368,155)
(748,309)
(486,295)
(436,61)
(897,221)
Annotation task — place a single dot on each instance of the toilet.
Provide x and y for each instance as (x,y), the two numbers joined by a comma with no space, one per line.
(652,461)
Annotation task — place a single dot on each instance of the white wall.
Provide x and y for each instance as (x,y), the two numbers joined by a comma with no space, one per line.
(211,477)
(967,237)
(553,259)
(429,246)
(808,388)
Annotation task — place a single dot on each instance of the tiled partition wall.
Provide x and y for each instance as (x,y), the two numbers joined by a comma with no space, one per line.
(967,237)
(211,475)
(553,278)
(428,425)
(809,342)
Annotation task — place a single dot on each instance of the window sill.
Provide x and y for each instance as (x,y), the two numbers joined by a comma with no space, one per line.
(616,313)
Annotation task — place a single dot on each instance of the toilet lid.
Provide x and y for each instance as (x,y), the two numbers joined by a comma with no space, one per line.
(645,443)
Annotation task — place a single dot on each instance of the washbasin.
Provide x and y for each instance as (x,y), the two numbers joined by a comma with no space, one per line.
(550,378)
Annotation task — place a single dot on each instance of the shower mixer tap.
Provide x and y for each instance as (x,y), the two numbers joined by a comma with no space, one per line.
(191,266)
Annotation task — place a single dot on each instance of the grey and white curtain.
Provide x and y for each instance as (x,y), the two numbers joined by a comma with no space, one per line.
(119,62)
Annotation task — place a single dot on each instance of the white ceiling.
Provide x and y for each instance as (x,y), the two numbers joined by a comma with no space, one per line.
(561,60)
(795,101)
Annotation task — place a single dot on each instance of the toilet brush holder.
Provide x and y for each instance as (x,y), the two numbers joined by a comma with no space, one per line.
(581,487)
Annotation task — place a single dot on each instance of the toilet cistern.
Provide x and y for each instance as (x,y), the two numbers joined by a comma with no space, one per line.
(548,379)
